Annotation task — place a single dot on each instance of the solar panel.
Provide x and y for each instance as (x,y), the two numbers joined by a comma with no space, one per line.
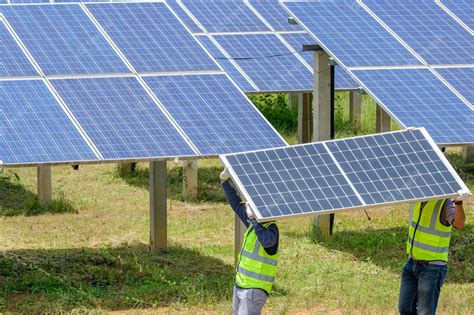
(213,113)
(151,37)
(354,173)
(121,118)
(35,129)
(13,62)
(63,40)
(184,17)
(428,29)
(462,79)
(350,33)
(225,16)
(274,14)
(416,97)
(463,9)
(225,63)
(296,40)
(394,167)
(252,52)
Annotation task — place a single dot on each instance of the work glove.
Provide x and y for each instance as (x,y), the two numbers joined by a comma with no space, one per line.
(225,175)
(462,195)
(249,212)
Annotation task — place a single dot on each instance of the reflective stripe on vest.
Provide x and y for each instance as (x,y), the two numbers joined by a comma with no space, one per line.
(428,238)
(256,268)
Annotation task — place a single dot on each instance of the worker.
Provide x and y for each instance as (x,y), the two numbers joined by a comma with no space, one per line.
(258,258)
(428,246)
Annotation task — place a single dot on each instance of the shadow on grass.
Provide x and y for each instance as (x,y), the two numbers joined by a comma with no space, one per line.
(208,190)
(386,248)
(16,200)
(36,281)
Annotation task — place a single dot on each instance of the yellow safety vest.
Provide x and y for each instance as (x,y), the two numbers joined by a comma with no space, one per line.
(256,268)
(428,238)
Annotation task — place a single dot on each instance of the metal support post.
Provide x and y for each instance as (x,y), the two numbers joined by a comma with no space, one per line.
(44,183)
(304,117)
(158,207)
(190,179)
(383,120)
(355,108)
(468,152)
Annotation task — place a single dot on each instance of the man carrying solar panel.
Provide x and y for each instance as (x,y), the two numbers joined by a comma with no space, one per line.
(258,258)
(428,246)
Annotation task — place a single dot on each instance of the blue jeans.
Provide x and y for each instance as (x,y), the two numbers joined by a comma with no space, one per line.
(420,287)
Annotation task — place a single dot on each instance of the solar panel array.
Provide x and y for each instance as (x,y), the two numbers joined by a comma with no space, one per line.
(115,81)
(257,31)
(354,173)
(414,58)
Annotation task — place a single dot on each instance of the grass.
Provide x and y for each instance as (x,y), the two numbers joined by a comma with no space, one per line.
(95,259)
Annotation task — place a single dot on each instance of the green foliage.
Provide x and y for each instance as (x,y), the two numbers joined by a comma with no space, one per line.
(275,108)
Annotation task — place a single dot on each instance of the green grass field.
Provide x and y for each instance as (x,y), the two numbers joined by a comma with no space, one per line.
(88,253)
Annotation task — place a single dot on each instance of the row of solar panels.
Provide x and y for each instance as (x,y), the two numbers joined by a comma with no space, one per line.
(414,58)
(115,82)
(336,175)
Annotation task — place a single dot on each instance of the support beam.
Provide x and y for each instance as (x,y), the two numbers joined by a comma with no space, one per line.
(44,183)
(468,152)
(382,121)
(158,207)
(321,123)
(239,237)
(190,179)
(304,117)
(355,108)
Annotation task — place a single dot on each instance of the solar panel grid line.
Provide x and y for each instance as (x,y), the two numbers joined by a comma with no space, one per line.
(264,21)
(452,88)
(455,17)
(22,46)
(393,33)
(461,78)
(274,14)
(73,119)
(297,55)
(184,16)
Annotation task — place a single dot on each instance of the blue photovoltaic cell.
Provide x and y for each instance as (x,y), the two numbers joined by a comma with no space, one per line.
(225,16)
(419,99)
(350,33)
(213,113)
(253,53)
(428,29)
(63,40)
(35,129)
(296,40)
(274,14)
(393,167)
(151,37)
(293,181)
(228,67)
(29,1)
(462,79)
(121,118)
(184,17)
(463,9)
(13,61)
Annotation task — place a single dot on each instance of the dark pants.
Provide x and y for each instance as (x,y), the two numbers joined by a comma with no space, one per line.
(420,287)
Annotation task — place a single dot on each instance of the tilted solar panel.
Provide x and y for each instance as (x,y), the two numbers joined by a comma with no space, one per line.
(151,38)
(183,16)
(348,32)
(342,80)
(63,40)
(428,29)
(225,16)
(226,64)
(267,61)
(416,97)
(462,79)
(213,113)
(353,173)
(463,9)
(35,129)
(121,119)
(274,14)
(13,62)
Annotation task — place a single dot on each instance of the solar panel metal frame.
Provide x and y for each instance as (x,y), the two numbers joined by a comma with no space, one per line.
(246,195)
